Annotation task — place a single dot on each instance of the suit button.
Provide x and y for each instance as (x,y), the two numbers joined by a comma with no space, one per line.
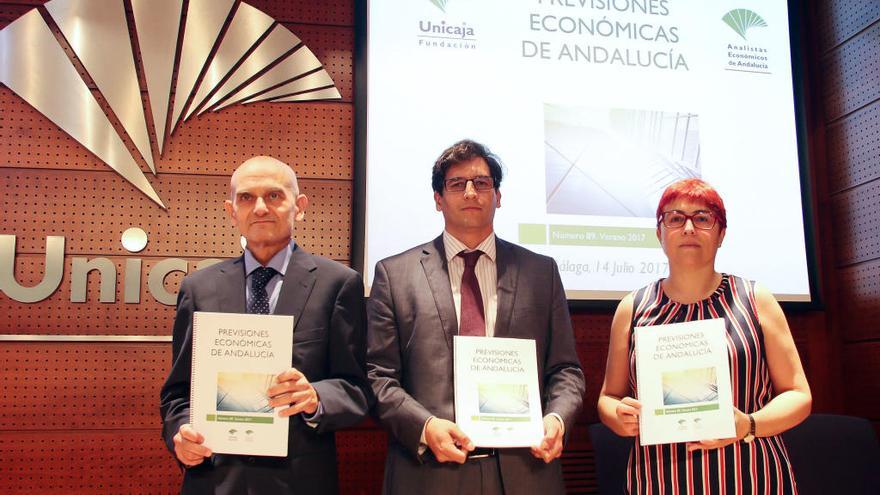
(251,460)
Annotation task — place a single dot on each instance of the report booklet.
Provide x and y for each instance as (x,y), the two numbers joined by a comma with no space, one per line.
(683,379)
(497,400)
(234,362)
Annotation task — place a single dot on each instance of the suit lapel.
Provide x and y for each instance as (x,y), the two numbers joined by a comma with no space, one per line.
(436,270)
(232,287)
(507,269)
(298,283)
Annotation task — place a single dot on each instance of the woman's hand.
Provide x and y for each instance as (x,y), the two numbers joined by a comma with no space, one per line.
(627,411)
(742,424)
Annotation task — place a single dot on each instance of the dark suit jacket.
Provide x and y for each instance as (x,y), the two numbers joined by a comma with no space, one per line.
(411,322)
(326,300)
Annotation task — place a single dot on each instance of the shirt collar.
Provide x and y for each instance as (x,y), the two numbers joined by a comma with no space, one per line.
(279,262)
(453,246)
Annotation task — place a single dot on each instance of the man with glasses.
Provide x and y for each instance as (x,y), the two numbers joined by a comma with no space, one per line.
(466,282)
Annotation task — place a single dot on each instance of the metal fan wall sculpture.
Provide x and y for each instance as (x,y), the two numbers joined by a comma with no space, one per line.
(229,53)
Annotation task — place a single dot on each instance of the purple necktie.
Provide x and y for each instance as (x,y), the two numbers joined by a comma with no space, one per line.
(473,321)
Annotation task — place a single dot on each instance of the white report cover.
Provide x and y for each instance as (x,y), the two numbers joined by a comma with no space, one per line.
(683,379)
(235,360)
(497,400)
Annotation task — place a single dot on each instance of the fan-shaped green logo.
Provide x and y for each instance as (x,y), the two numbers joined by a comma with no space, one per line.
(741,20)
(441,4)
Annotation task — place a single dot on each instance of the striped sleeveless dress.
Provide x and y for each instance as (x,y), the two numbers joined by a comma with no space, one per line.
(761,467)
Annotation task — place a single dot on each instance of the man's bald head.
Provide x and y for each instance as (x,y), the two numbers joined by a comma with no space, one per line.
(264,202)
(264,165)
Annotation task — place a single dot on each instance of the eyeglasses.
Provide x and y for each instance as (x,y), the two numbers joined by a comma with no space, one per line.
(674,219)
(459,184)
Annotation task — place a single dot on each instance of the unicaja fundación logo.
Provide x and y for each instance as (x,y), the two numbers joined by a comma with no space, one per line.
(224,53)
(741,20)
(441,4)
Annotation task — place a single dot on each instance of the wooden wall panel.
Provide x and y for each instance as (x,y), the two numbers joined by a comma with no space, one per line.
(854,146)
(850,77)
(64,462)
(856,217)
(361,457)
(58,316)
(848,59)
(333,47)
(860,301)
(325,12)
(82,417)
(861,363)
(315,138)
(93,209)
(82,386)
(838,20)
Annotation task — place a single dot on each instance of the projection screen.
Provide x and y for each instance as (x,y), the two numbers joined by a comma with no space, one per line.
(594,106)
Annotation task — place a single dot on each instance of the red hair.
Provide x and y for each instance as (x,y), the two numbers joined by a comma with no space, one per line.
(697,191)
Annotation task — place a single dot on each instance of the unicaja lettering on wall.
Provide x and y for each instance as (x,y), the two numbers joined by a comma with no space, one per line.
(133,240)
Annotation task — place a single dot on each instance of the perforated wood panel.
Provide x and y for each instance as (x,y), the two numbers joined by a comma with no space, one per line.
(839,20)
(58,316)
(860,301)
(854,149)
(579,463)
(9,13)
(315,138)
(333,47)
(851,75)
(73,386)
(64,462)
(82,417)
(861,362)
(856,219)
(361,455)
(591,329)
(92,210)
(336,12)
(850,89)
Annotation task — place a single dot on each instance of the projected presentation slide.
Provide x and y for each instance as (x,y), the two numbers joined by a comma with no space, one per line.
(594,106)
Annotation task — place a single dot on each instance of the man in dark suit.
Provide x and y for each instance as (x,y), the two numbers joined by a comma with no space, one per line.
(466,282)
(324,390)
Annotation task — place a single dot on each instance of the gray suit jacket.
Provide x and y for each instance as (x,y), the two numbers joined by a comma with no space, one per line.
(411,322)
(327,302)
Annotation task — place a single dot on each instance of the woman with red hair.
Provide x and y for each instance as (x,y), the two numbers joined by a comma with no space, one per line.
(770,391)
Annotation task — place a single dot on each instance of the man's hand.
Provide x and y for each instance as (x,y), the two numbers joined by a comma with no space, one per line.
(447,441)
(188,446)
(292,388)
(551,445)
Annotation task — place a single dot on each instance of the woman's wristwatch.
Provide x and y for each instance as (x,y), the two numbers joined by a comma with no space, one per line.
(750,436)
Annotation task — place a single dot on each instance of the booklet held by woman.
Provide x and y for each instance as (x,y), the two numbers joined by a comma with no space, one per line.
(683,380)
(497,401)
(234,362)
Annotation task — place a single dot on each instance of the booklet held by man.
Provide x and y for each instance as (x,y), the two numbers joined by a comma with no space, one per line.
(497,400)
(683,379)
(234,362)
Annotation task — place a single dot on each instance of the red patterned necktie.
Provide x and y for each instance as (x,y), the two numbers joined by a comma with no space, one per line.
(473,320)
